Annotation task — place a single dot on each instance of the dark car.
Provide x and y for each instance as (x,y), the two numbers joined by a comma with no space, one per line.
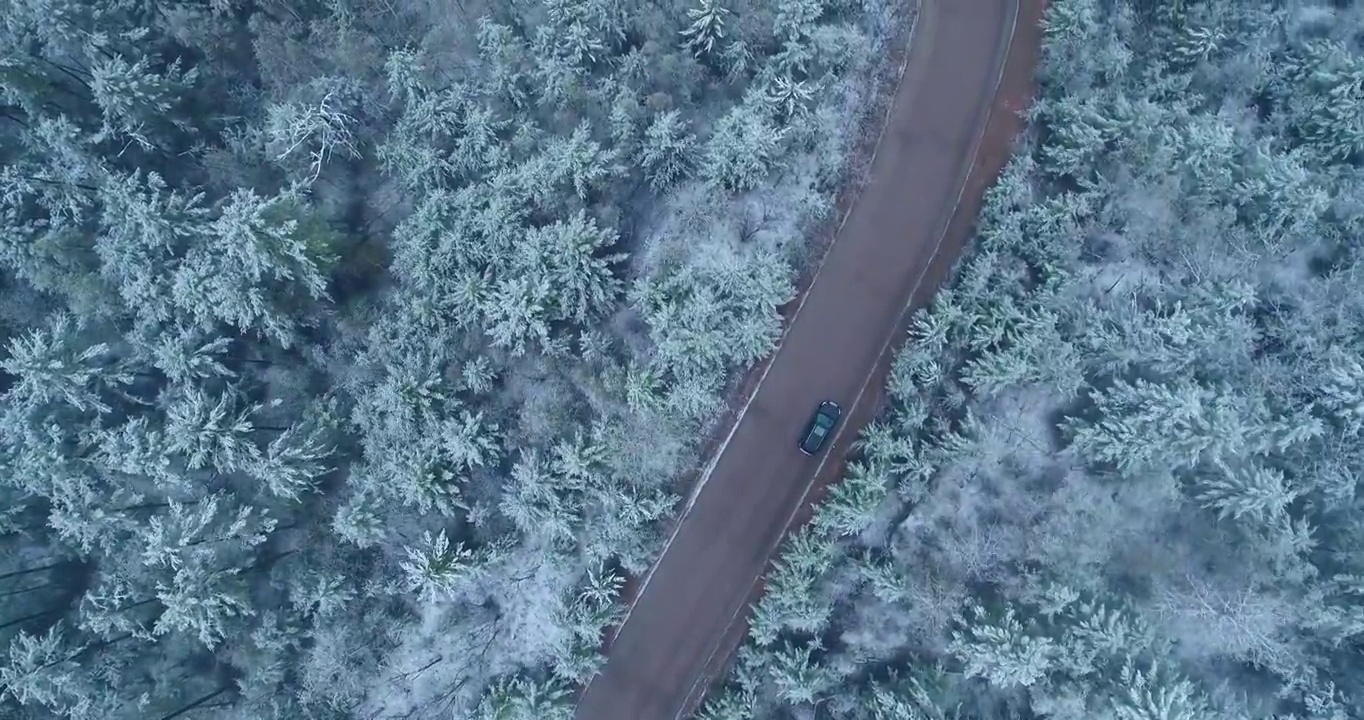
(820,427)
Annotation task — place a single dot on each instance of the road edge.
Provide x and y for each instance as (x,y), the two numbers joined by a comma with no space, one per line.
(964,178)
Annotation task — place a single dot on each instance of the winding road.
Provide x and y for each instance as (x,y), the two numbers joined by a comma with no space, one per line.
(950,128)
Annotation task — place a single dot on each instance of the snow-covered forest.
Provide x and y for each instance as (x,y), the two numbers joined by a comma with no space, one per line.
(353,351)
(1117,472)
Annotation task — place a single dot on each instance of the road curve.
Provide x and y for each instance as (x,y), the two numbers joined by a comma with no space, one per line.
(685,619)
